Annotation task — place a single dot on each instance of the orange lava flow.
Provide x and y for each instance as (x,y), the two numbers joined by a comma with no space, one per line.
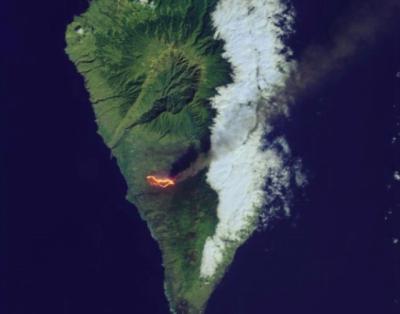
(163,182)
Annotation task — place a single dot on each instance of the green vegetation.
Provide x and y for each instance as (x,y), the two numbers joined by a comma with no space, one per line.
(151,70)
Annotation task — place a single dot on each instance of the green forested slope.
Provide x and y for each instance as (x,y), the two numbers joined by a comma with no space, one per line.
(151,70)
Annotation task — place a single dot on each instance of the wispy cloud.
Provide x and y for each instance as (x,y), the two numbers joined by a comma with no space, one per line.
(357,30)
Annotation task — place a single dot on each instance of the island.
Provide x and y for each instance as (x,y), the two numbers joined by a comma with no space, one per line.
(184,120)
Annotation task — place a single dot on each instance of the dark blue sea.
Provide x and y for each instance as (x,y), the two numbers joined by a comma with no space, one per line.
(71,243)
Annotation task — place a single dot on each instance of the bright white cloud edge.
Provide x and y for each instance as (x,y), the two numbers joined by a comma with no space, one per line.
(241,164)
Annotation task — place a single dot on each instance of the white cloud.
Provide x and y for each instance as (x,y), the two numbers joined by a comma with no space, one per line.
(242,161)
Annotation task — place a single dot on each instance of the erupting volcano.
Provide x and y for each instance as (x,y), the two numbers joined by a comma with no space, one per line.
(161,182)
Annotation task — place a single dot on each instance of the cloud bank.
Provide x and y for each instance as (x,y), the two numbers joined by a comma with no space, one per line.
(246,170)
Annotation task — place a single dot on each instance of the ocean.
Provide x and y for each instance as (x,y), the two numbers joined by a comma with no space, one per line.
(73,244)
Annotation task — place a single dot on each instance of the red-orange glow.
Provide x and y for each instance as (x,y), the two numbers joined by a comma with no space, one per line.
(161,182)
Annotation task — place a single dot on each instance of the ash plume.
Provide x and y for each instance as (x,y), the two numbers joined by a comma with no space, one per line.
(360,28)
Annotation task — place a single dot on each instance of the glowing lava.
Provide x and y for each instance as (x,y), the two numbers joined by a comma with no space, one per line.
(161,182)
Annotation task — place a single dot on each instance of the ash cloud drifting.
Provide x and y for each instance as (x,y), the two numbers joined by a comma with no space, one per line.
(358,29)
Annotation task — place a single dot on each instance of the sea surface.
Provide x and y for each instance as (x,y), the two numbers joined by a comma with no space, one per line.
(73,244)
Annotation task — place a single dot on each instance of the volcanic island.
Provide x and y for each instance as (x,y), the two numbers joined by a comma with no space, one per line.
(154,71)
